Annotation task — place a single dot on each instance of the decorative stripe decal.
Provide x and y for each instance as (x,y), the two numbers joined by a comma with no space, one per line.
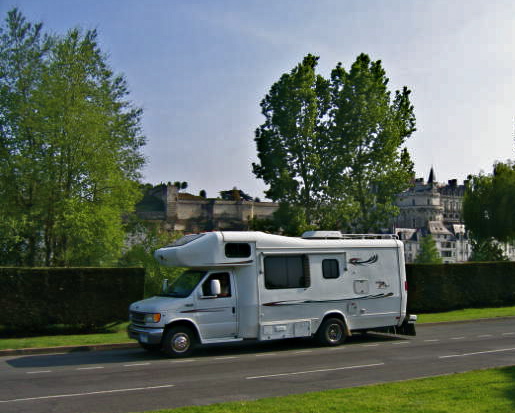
(204,310)
(357,261)
(299,302)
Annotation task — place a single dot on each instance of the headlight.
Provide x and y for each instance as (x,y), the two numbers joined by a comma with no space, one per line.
(152,318)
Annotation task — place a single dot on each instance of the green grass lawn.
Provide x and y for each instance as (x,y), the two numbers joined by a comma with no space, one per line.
(118,334)
(468,314)
(114,335)
(475,392)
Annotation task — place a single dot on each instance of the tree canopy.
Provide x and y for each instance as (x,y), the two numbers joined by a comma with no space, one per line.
(334,147)
(488,204)
(70,144)
(428,253)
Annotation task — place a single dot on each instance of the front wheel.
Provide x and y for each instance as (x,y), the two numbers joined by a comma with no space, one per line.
(179,342)
(331,332)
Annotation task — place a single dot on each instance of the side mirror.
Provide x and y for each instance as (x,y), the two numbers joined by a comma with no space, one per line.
(164,287)
(216,289)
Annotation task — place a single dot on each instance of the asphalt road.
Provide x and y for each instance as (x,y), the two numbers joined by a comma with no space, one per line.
(134,381)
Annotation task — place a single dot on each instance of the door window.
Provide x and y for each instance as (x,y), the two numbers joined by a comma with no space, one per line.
(225,284)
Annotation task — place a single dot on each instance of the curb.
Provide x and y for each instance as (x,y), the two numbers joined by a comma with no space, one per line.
(67,349)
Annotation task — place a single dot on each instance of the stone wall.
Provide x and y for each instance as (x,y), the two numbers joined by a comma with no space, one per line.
(189,213)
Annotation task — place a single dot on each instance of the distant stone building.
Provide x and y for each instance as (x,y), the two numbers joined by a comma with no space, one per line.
(189,213)
(433,209)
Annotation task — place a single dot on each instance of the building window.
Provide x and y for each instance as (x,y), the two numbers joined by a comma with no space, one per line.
(287,271)
(330,268)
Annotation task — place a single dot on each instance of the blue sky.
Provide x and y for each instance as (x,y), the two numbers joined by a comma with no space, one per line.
(199,69)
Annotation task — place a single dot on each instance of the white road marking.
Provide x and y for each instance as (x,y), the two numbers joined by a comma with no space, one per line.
(226,358)
(477,353)
(434,340)
(401,342)
(91,368)
(39,372)
(183,361)
(60,396)
(136,364)
(508,334)
(370,345)
(314,371)
(303,351)
(457,338)
(485,335)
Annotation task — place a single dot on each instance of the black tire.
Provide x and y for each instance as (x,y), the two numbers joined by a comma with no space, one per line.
(179,342)
(331,332)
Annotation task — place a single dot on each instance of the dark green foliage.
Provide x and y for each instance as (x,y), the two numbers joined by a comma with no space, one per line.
(34,298)
(148,237)
(488,204)
(70,145)
(487,250)
(437,288)
(235,194)
(428,253)
(333,147)
(287,220)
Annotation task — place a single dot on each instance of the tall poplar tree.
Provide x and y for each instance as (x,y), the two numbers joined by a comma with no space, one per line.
(335,147)
(365,164)
(290,142)
(71,155)
(488,211)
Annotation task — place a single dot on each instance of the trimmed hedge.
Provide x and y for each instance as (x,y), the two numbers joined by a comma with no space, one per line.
(32,298)
(445,287)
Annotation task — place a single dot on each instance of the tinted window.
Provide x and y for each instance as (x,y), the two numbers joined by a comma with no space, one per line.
(330,269)
(291,271)
(237,250)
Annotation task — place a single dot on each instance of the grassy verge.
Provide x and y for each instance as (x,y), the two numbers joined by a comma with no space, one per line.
(479,391)
(118,333)
(468,314)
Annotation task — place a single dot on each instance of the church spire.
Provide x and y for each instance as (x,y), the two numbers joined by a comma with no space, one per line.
(432,179)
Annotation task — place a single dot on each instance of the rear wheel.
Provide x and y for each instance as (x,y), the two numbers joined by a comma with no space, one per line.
(331,332)
(179,341)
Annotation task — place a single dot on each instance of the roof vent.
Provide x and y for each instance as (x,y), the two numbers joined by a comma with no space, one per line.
(322,235)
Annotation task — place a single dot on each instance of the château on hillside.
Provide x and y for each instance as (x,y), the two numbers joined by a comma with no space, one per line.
(189,213)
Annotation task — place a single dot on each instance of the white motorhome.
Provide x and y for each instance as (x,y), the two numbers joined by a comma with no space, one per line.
(258,286)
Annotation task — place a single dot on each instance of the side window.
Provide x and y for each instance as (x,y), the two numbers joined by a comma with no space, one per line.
(288,271)
(225,284)
(330,268)
(237,250)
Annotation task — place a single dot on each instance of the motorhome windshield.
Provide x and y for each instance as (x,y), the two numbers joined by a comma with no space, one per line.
(185,284)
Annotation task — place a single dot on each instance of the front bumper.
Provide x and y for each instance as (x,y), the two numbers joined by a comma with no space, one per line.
(145,335)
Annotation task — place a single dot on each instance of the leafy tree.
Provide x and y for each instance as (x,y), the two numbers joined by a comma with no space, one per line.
(287,220)
(333,147)
(290,142)
(428,253)
(180,185)
(145,238)
(70,146)
(487,251)
(488,205)
(235,194)
(366,131)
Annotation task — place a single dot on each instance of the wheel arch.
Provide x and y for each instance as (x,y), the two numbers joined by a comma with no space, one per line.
(184,323)
(338,315)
